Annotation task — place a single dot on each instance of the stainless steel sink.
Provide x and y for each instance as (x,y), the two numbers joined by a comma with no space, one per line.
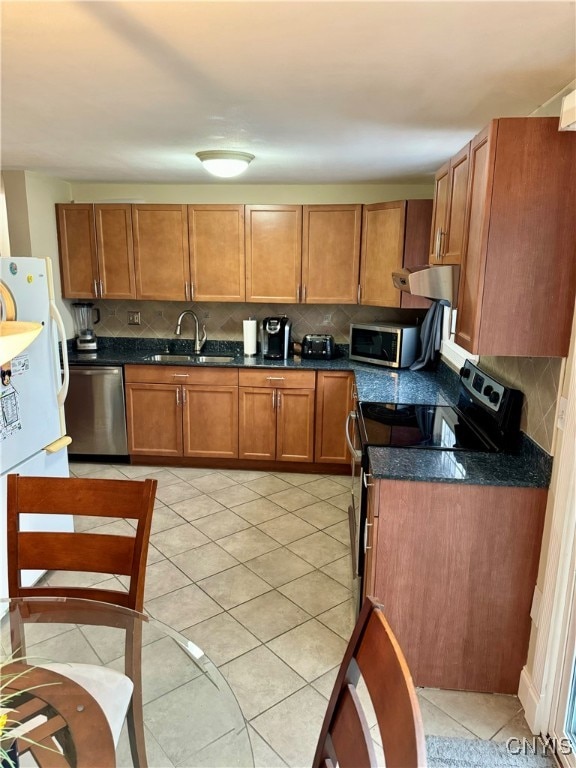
(192,359)
(213,359)
(170,358)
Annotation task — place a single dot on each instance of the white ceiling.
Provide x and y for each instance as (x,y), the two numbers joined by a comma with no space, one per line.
(319,92)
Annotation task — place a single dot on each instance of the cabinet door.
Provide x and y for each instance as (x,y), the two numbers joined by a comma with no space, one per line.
(161,252)
(115,251)
(416,241)
(330,253)
(77,247)
(382,251)
(257,423)
(439,212)
(333,404)
(370,540)
(217,252)
(471,287)
(295,425)
(273,253)
(453,242)
(154,419)
(210,421)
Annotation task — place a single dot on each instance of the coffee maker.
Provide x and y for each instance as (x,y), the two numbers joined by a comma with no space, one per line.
(84,320)
(275,337)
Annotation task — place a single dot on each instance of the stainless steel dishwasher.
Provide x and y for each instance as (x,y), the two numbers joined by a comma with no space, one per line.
(95,410)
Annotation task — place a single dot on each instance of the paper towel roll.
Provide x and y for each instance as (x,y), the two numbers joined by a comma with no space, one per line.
(249,337)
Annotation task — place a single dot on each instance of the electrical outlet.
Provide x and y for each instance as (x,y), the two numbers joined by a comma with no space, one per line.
(327,319)
(206,315)
(134,318)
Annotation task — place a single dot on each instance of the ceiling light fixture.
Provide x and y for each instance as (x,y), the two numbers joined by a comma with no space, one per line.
(224,163)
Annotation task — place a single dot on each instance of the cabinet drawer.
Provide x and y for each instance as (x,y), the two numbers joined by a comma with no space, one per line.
(180,374)
(281,379)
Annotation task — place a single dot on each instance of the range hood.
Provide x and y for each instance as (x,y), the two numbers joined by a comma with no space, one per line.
(433,282)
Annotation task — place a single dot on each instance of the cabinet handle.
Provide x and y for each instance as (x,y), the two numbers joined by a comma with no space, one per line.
(191,291)
(180,375)
(275,378)
(101,289)
(304,294)
(273,399)
(438,249)
(96,289)
(364,476)
(279,399)
(359,293)
(183,397)
(366,547)
(354,452)
(298,294)
(177,395)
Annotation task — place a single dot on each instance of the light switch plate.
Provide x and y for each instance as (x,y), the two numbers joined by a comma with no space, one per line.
(133,318)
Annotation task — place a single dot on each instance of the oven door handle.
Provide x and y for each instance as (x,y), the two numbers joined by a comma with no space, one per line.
(356,454)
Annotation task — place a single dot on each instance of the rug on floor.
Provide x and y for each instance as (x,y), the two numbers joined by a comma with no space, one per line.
(446,752)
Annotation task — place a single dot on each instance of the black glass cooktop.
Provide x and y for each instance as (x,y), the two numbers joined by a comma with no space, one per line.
(441,427)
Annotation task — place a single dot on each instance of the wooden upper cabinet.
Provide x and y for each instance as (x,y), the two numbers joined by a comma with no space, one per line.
(161,252)
(217,252)
(382,252)
(437,231)
(273,252)
(117,278)
(96,254)
(482,155)
(448,219)
(453,241)
(330,253)
(77,247)
(394,235)
(518,280)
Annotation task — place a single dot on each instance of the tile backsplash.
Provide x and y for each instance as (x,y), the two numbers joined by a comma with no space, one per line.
(539,378)
(224,320)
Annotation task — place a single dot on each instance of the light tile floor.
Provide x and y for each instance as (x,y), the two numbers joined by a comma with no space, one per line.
(254,567)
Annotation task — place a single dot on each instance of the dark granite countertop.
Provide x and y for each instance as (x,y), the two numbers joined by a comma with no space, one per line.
(373,383)
(531,467)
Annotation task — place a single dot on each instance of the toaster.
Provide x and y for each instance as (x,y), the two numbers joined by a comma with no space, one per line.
(318,346)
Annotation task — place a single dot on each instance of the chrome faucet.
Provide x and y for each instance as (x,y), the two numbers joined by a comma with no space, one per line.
(198,341)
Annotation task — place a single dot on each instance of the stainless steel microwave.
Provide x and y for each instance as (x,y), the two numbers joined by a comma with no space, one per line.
(395,346)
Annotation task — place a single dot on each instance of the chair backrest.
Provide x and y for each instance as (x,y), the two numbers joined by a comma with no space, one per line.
(345,739)
(83,552)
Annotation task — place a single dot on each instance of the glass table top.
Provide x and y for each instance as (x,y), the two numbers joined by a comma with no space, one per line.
(190,715)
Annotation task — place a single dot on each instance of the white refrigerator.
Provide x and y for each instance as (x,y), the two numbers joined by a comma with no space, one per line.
(32,392)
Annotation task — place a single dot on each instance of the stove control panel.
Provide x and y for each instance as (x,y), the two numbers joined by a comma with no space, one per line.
(485,390)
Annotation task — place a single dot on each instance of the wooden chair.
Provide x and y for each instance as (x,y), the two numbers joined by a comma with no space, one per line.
(119,695)
(345,739)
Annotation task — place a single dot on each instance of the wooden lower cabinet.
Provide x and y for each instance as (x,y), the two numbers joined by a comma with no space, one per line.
(175,411)
(455,567)
(153,419)
(210,414)
(257,423)
(295,425)
(276,420)
(333,404)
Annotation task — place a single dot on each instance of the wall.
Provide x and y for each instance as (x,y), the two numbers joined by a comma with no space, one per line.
(30,201)
(219,192)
